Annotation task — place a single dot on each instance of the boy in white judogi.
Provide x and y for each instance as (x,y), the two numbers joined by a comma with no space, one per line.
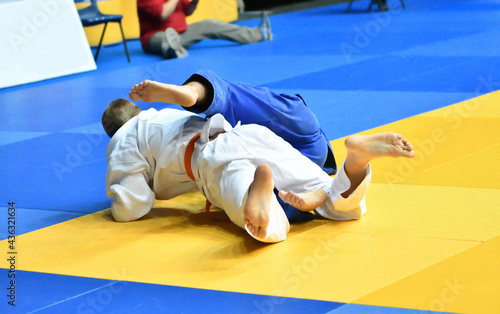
(236,169)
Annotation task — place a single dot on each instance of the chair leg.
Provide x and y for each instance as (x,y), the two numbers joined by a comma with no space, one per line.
(372,2)
(349,7)
(124,42)
(100,41)
(382,7)
(379,3)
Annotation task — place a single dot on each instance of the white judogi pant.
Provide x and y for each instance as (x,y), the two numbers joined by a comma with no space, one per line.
(224,169)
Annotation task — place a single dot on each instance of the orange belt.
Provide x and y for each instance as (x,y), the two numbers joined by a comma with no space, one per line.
(189,154)
(187,164)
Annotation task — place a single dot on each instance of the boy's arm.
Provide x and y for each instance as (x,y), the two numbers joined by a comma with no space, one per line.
(159,9)
(133,198)
(189,6)
(168,7)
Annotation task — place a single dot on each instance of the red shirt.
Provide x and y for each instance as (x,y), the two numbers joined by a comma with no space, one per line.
(149,13)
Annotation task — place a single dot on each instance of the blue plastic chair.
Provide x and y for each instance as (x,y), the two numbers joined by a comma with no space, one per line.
(372,3)
(92,16)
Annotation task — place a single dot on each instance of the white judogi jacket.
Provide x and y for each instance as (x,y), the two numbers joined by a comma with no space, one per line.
(146,161)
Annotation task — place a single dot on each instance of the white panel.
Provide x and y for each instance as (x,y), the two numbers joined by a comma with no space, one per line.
(41,39)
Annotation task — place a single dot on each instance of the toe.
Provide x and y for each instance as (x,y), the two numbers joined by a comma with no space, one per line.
(408,153)
(250,228)
(287,196)
(302,203)
(282,195)
(261,232)
(134,96)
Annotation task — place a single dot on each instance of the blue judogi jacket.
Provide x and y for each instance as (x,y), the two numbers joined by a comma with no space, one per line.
(286,115)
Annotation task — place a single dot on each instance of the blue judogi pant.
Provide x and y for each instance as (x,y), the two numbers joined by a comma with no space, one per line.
(286,115)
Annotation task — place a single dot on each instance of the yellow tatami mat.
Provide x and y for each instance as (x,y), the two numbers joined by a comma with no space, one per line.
(430,239)
(318,261)
(465,283)
(458,145)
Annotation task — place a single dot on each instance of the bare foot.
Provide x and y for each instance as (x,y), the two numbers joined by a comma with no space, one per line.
(304,201)
(367,147)
(151,91)
(258,203)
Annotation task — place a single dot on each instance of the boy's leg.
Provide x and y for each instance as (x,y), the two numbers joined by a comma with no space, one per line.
(291,169)
(166,44)
(232,180)
(258,202)
(185,95)
(349,186)
(293,214)
(286,115)
(264,217)
(214,29)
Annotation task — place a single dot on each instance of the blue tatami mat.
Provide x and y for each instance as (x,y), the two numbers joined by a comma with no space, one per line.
(401,63)
(27,220)
(367,309)
(49,293)
(355,71)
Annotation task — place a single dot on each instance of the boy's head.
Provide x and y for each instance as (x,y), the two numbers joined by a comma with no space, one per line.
(117,114)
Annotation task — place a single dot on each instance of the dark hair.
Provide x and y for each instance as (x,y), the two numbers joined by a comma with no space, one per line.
(117,114)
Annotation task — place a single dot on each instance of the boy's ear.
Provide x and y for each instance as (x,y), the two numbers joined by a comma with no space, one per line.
(107,126)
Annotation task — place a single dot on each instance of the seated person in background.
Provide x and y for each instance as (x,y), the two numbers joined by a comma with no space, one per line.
(165,32)
(237,168)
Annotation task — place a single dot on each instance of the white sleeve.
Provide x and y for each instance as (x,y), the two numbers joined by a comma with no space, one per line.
(352,207)
(133,198)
